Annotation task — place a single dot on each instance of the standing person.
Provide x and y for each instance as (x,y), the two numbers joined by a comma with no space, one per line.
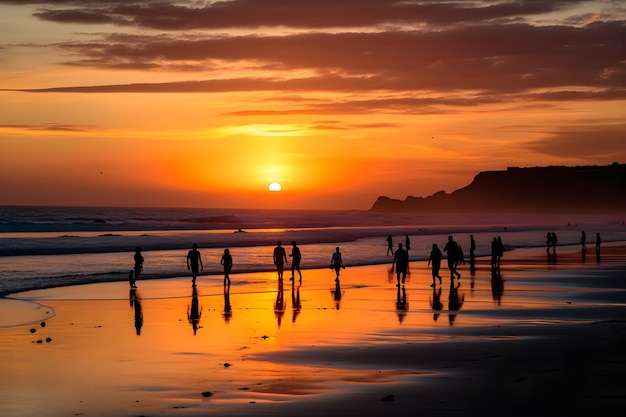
(194,262)
(280,256)
(499,250)
(583,240)
(389,245)
(452,248)
(472,247)
(227,262)
(554,242)
(548,241)
(138,267)
(435,257)
(296,257)
(598,243)
(401,263)
(336,262)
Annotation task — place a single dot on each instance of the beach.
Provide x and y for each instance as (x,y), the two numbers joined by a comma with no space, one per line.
(543,337)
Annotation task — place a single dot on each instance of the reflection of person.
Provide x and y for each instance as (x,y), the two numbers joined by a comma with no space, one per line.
(336,262)
(228,310)
(436,303)
(227,262)
(280,256)
(402,305)
(195,311)
(194,262)
(400,262)
(389,245)
(435,257)
(279,305)
(296,304)
(295,261)
(138,266)
(136,304)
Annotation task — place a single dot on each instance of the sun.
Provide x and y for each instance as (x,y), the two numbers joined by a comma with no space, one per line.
(275,186)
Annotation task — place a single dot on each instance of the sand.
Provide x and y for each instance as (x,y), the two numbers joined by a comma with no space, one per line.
(546,339)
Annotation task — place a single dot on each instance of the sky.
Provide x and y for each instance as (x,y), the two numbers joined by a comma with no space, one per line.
(205,103)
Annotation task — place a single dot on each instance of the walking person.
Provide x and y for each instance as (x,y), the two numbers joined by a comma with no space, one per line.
(389,245)
(296,257)
(435,258)
(336,263)
(227,263)
(401,263)
(134,273)
(452,249)
(280,258)
(194,262)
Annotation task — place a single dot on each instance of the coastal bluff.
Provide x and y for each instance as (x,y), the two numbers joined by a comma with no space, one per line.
(534,189)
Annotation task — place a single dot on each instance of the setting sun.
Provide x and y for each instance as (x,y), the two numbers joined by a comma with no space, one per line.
(275,186)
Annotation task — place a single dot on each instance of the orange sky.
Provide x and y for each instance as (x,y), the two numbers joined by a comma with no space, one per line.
(140,103)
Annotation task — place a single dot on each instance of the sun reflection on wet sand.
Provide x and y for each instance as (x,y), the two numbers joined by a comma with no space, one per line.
(261,341)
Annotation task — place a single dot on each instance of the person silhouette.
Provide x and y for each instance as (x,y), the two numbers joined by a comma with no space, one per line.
(435,257)
(400,262)
(227,262)
(389,245)
(583,240)
(472,248)
(336,262)
(194,262)
(452,248)
(194,312)
(296,257)
(280,258)
(138,266)
(598,243)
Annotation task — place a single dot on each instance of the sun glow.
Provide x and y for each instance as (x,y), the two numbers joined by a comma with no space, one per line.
(275,187)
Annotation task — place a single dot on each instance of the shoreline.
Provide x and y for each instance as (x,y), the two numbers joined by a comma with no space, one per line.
(552,335)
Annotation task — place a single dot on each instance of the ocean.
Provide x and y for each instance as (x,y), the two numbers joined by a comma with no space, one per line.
(43,247)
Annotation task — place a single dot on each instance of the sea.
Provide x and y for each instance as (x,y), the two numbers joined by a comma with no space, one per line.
(44,247)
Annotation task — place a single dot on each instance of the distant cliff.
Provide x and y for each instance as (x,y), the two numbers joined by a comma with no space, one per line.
(539,189)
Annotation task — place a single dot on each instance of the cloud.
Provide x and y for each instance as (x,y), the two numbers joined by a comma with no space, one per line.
(52,127)
(193,15)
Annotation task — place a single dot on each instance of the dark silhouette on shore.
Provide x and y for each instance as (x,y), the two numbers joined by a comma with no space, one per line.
(135,303)
(591,189)
(336,263)
(497,251)
(389,245)
(598,244)
(402,305)
(472,248)
(280,259)
(296,257)
(400,263)
(435,258)
(194,312)
(194,262)
(227,263)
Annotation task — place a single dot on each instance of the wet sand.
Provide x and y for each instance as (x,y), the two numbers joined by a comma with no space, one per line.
(545,337)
